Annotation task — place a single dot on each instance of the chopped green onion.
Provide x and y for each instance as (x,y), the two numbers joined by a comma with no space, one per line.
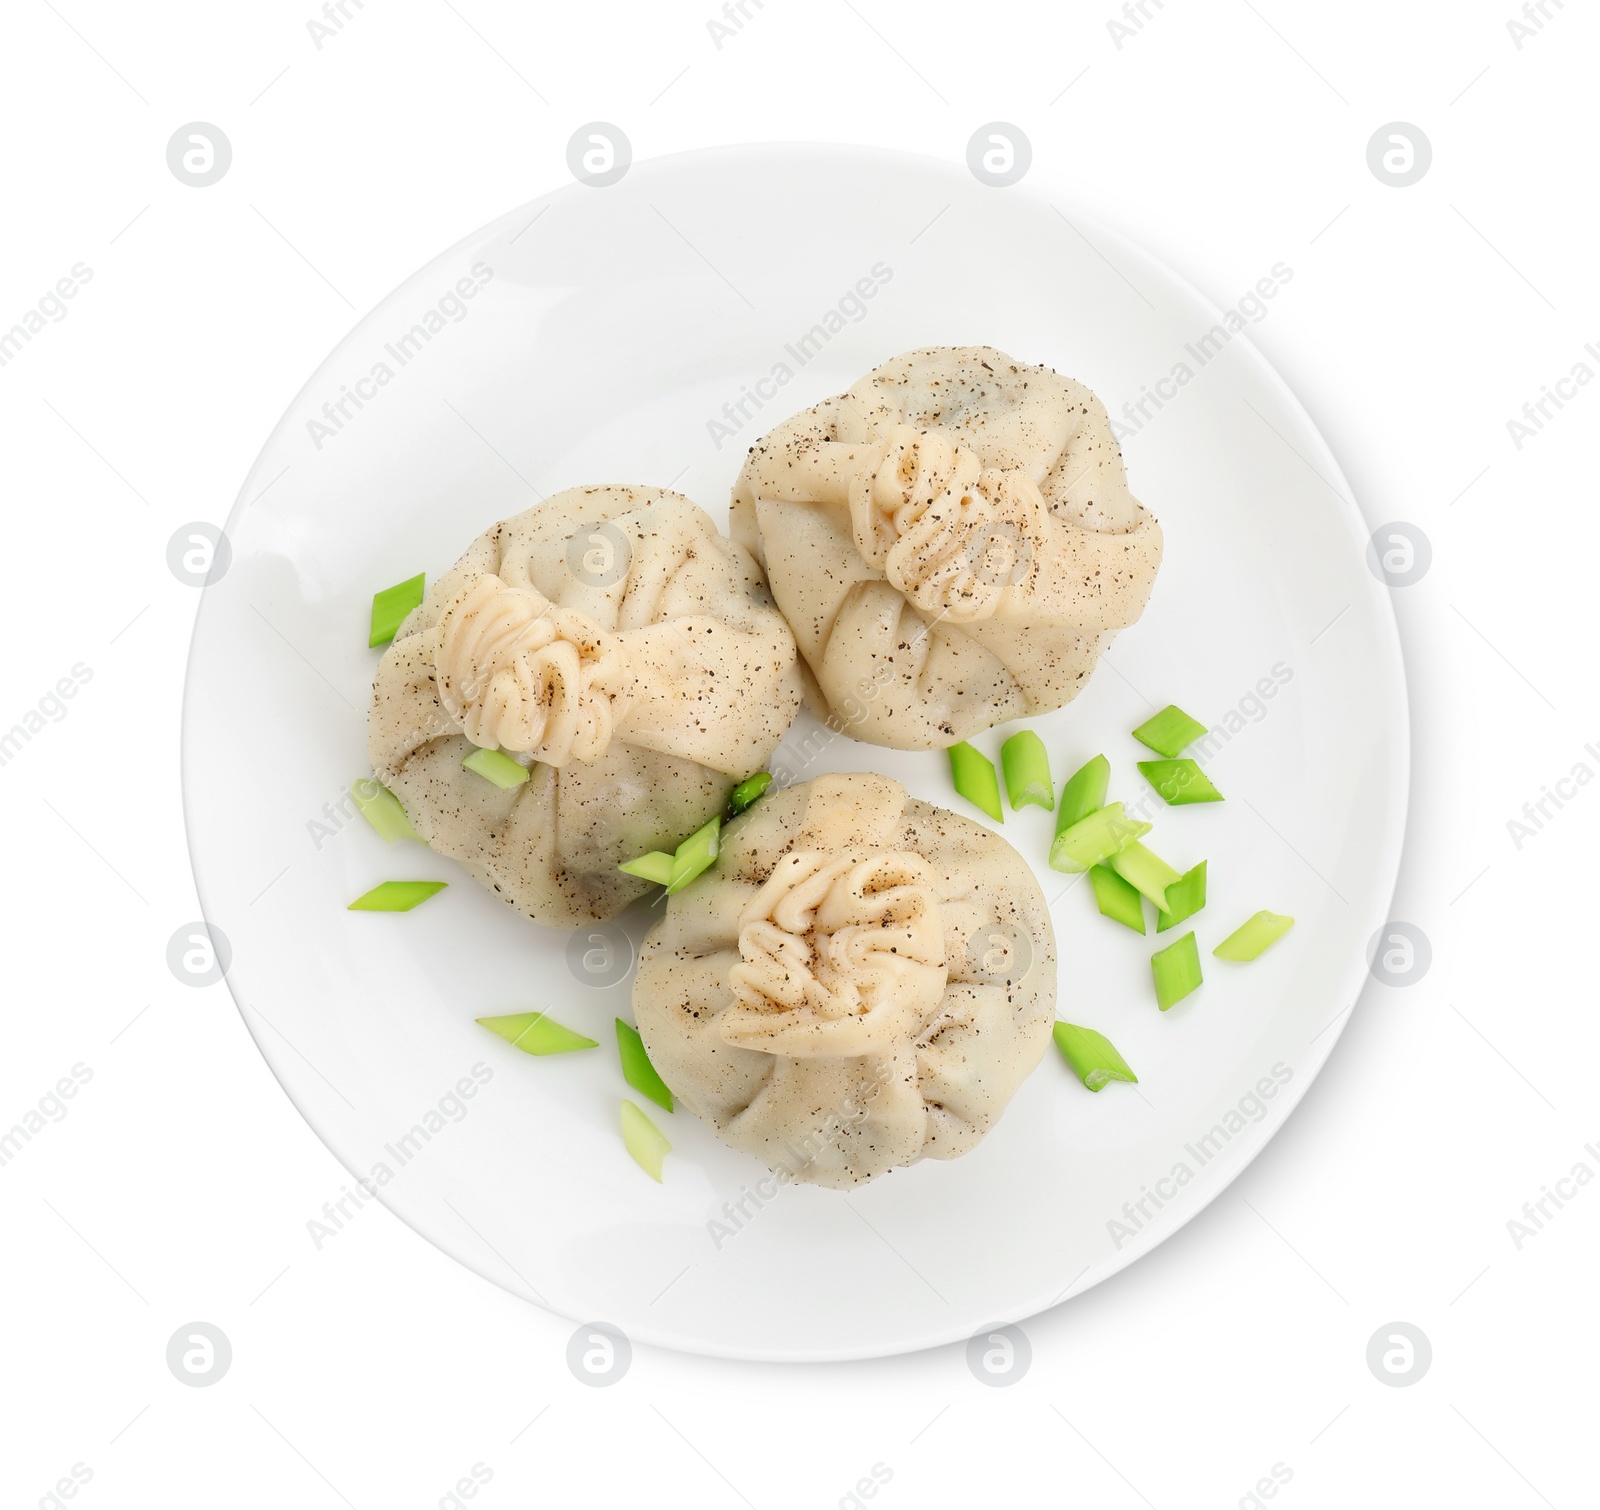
(1177,971)
(646,1144)
(1170,732)
(396,896)
(390,607)
(637,1069)
(974,776)
(655,866)
(534,1033)
(1179,781)
(1092,1057)
(497,767)
(697,853)
(1185,897)
(1026,763)
(747,792)
(1116,899)
(1095,838)
(1147,871)
(382,809)
(1254,937)
(1084,793)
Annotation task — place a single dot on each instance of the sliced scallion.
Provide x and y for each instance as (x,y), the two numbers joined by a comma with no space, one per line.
(637,1069)
(1176,970)
(1253,937)
(498,767)
(1092,1057)
(382,809)
(1170,732)
(396,896)
(697,853)
(974,777)
(1026,763)
(646,1144)
(1185,897)
(655,866)
(1095,839)
(1149,872)
(535,1033)
(390,607)
(1116,899)
(1179,781)
(1084,793)
(747,792)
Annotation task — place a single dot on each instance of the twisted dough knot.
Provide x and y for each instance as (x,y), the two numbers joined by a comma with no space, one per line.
(519,673)
(949,533)
(838,956)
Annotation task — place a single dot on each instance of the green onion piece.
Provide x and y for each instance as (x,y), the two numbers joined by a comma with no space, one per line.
(646,1144)
(1094,839)
(534,1033)
(498,767)
(381,808)
(637,1069)
(1170,732)
(1177,971)
(1254,937)
(396,896)
(1147,871)
(1084,793)
(974,776)
(1116,899)
(697,853)
(655,866)
(1179,781)
(747,792)
(390,607)
(1185,897)
(1092,1057)
(1026,763)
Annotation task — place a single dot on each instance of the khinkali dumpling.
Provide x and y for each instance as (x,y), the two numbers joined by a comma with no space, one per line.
(614,643)
(863,981)
(955,532)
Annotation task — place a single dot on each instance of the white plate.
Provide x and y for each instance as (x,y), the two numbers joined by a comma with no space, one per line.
(615,326)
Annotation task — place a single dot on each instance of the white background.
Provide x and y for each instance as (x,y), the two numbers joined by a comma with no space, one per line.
(1226,136)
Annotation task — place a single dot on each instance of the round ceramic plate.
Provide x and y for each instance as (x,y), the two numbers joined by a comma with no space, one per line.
(648,331)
